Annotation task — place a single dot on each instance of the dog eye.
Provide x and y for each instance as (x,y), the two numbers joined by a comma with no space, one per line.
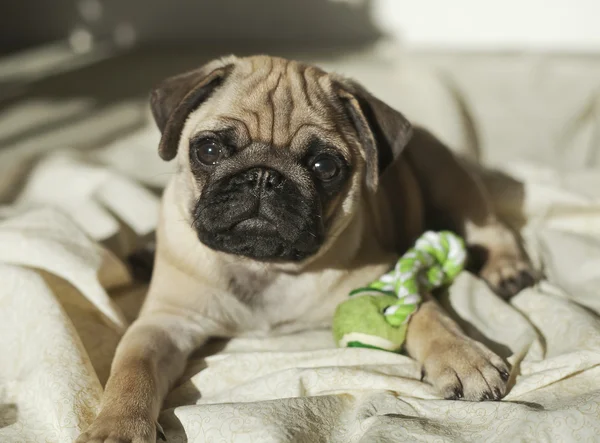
(325,167)
(207,152)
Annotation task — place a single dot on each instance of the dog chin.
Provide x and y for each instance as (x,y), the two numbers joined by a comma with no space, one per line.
(256,247)
(258,240)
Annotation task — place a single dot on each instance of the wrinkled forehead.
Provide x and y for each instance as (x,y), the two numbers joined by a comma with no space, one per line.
(278,102)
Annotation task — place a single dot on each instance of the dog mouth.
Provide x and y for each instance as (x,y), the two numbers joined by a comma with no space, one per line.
(261,239)
(257,226)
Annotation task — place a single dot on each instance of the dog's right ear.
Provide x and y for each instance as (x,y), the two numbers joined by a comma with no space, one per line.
(174,98)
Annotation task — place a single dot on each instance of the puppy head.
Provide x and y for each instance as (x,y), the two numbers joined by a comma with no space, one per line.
(273,155)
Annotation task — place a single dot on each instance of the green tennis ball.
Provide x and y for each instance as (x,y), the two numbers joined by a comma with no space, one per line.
(359,322)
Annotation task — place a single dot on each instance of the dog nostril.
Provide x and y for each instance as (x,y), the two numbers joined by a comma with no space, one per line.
(253,176)
(272,178)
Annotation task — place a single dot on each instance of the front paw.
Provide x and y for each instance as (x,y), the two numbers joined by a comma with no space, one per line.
(463,369)
(507,275)
(113,428)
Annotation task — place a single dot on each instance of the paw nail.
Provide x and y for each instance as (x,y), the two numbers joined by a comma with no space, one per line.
(458,393)
(486,396)
(497,394)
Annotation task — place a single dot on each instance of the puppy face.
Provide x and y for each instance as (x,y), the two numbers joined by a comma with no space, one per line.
(274,155)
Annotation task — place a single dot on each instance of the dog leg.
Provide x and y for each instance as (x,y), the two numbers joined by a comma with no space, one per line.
(458,200)
(458,366)
(149,358)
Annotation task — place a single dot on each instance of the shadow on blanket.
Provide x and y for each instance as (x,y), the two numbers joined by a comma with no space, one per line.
(9,413)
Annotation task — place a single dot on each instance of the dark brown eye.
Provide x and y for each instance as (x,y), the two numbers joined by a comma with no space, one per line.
(325,167)
(207,152)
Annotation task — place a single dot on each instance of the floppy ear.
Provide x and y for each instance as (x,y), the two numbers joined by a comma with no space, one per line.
(174,98)
(383,131)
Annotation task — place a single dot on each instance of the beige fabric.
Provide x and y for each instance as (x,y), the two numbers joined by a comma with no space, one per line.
(65,295)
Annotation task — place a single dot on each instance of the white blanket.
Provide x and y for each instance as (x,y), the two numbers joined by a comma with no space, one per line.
(65,296)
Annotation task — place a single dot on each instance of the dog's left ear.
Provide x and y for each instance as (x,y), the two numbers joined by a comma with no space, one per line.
(383,131)
(174,98)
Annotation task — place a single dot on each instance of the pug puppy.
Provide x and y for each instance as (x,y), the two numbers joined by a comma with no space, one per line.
(293,187)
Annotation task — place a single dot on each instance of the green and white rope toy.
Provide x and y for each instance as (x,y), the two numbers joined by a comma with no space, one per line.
(377,315)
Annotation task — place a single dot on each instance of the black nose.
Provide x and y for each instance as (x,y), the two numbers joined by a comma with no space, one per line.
(265,178)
